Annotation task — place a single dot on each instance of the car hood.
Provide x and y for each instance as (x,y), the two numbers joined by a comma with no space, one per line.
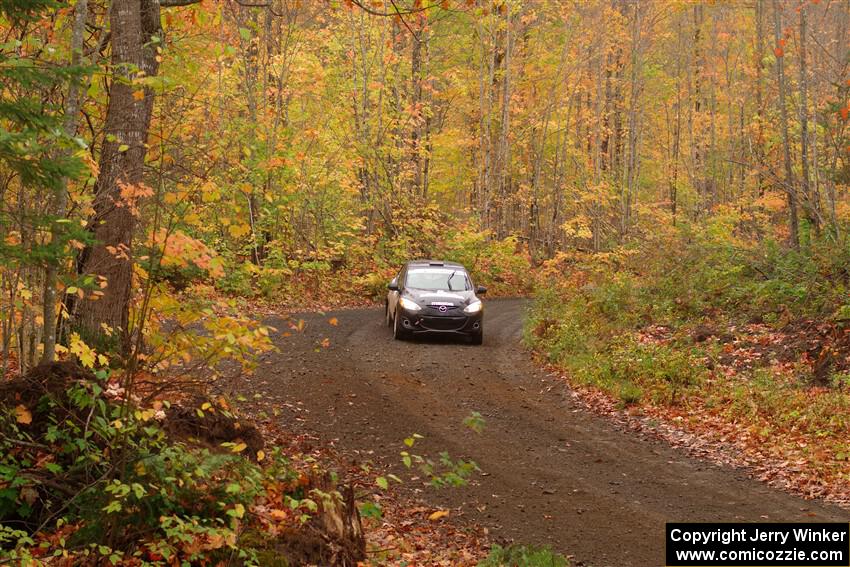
(429,297)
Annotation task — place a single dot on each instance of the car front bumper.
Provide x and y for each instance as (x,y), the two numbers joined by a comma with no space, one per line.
(430,321)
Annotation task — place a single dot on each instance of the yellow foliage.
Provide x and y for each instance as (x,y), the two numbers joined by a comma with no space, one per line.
(84,353)
(578,227)
(238,230)
(772,201)
(181,250)
(23,415)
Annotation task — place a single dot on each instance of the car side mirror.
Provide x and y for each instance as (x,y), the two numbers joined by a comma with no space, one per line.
(481,290)
(393,285)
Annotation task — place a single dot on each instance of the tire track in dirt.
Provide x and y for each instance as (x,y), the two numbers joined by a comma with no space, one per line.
(552,473)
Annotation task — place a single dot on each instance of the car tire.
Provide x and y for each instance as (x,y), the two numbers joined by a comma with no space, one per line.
(399,333)
(477,338)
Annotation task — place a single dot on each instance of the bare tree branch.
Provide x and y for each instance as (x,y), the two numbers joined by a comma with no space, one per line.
(396,12)
(177,3)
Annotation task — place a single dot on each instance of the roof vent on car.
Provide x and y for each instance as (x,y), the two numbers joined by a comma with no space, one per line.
(436,263)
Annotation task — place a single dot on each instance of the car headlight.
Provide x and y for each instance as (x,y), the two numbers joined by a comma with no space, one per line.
(473,307)
(408,304)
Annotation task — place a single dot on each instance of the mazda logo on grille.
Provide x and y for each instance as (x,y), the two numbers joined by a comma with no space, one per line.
(443,308)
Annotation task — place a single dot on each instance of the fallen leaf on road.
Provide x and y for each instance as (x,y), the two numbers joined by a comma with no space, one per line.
(438,514)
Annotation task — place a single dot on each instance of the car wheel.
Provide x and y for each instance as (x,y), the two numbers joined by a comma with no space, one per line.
(399,333)
(477,338)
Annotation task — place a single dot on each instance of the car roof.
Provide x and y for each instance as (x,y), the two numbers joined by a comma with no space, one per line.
(434,263)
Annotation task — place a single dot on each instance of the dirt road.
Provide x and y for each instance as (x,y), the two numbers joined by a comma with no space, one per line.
(551,472)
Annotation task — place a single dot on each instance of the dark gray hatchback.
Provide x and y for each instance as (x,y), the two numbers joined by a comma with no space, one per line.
(431,296)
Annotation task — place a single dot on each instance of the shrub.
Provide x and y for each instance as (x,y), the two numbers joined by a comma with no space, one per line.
(237,279)
(503,266)
(374,285)
(360,266)
(629,394)
(523,556)
(76,460)
(272,283)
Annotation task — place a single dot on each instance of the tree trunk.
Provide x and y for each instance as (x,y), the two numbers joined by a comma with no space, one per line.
(759,149)
(135,28)
(677,134)
(485,94)
(632,158)
(596,221)
(791,190)
(697,161)
(812,201)
(504,148)
(429,111)
(60,199)
(416,108)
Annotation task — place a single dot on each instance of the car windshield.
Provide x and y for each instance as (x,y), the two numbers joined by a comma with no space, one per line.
(434,279)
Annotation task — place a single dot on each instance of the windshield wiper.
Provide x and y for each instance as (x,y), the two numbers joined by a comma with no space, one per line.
(449,281)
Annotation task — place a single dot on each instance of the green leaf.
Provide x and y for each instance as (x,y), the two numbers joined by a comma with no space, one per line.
(138,490)
(53,468)
(382,482)
(475,422)
(371,510)
(238,511)
(112,507)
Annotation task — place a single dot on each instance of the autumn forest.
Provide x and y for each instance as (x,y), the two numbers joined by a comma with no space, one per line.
(667,182)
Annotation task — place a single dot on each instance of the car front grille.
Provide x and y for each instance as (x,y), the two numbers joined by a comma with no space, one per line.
(435,310)
(443,323)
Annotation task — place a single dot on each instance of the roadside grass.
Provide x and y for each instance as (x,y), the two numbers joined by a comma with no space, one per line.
(523,556)
(700,323)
